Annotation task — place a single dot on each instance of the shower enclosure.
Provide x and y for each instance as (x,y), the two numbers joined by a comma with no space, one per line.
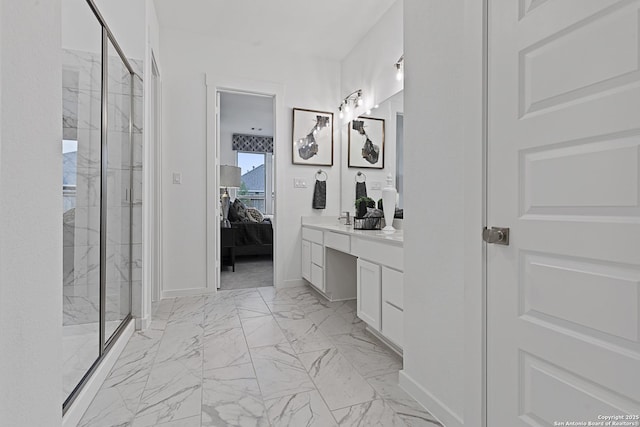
(102,139)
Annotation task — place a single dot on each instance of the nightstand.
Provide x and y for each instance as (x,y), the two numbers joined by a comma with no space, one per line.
(228,247)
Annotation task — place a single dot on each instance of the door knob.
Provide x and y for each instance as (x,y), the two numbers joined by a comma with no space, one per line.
(497,235)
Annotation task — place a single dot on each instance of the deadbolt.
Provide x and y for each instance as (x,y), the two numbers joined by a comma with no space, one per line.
(497,235)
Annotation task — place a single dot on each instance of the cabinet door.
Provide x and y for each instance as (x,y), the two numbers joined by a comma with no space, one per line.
(306,260)
(393,287)
(392,323)
(369,293)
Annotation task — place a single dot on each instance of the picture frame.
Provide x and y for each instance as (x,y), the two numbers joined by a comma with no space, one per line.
(312,137)
(366,143)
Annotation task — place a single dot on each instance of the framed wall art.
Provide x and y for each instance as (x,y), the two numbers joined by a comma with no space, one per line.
(312,137)
(366,143)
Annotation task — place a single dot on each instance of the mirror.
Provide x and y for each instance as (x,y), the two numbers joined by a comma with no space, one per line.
(391,111)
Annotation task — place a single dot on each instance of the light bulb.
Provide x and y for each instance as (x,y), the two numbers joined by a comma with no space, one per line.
(341,115)
(376,106)
(346,108)
(368,112)
(399,74)
(359,102)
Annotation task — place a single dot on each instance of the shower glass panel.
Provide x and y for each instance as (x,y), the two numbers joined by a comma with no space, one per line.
(81,101)
(119,184)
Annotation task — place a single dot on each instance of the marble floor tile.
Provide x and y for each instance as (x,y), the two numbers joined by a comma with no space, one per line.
(231,397)
(180,341)
(270,294)
(377,413)
(173,392)
(185,422)
(221,316)
(303,335)
(369,356)
(109,408)
(262,331)
(404,405)
(338,383)
(301,409)
(225,347)
(285,310)
(252,307)
(332,323)
(279,371)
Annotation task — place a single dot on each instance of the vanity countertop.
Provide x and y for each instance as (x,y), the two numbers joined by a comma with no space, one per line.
(321,223)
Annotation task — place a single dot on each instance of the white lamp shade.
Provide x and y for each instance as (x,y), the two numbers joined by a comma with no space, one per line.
(229,176)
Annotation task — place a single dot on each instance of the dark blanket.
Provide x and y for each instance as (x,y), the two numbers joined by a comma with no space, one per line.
(253,233)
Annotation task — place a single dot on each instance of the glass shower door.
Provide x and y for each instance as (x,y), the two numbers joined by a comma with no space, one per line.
(119,184)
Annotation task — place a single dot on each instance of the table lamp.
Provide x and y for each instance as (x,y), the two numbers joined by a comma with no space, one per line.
(229,177)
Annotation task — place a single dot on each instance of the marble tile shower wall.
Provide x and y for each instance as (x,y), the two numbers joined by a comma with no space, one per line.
(81,122)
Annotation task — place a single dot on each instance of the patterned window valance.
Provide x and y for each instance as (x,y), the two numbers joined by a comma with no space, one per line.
(260,144)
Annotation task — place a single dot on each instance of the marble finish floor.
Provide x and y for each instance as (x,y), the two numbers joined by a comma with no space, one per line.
(255,357)
(80,349)
(251,272)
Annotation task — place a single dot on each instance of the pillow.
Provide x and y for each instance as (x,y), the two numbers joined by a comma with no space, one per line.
(254,215)
(241,209)
(233,213)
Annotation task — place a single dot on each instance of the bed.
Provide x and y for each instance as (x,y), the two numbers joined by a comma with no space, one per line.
(253,238)
(252,230)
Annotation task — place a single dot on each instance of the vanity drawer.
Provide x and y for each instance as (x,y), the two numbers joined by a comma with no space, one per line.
(317,254)
(393,287)
(393,324)
(379,252)
(317,277)
(337,241)
(312,235)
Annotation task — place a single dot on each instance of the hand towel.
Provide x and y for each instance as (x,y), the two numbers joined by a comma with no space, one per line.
(320,195)
(361,190)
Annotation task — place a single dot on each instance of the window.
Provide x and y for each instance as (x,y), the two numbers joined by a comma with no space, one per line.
(256,180)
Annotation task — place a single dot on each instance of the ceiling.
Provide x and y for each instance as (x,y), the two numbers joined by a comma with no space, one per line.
(323,28)
(246,114)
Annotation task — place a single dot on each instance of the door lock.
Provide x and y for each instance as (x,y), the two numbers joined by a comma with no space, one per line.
(497,235)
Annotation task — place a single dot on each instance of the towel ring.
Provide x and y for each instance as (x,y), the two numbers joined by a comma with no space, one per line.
(364,179)
(321,173)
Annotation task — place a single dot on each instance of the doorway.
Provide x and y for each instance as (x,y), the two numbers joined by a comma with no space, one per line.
(245,142)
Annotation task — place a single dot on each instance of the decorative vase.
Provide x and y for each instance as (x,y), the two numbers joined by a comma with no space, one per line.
(389,194)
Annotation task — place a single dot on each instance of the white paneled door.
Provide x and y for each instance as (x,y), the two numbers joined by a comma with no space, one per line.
(563,328)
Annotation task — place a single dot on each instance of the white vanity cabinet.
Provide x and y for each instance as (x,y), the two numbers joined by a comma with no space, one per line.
(313,257)
(369,293)
(365,265)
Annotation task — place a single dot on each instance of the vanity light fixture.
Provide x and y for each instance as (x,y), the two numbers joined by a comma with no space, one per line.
(400,68)
(353,100)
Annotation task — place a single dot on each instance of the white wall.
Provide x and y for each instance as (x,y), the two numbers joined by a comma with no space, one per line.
(30,214)
(370,67)
(126,19)
(443,204)
(308,83)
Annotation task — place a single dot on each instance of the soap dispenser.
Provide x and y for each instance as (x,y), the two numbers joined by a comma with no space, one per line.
(389,195)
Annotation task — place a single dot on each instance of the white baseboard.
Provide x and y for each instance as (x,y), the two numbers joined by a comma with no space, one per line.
(187,292)
(85,397)
(440,411)
(292,283)
(142,323)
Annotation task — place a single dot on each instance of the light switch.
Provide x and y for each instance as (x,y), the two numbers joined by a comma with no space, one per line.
(299,183)
(376,185)
(177,178)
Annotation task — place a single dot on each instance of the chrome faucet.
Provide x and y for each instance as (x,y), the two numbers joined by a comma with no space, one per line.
(348,219)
